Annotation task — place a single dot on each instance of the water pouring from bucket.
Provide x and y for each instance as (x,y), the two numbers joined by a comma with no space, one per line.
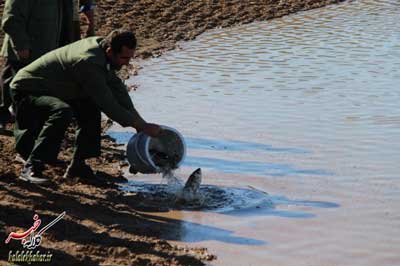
(163,154)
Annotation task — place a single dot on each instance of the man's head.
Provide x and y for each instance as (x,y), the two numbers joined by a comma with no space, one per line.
(120,47)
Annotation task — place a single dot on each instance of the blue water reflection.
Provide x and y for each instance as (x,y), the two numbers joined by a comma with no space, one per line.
(196,232)
(232,145)
(250,167)
(177,230)
(261,210)
(220,145)
(282,200)
(120,137)
(232,166)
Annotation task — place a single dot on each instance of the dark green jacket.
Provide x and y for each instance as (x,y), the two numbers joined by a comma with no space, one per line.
(37,25)
(77,71)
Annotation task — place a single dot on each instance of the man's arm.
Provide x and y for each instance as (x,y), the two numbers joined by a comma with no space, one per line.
(92,78)
(14,23)
(120,92)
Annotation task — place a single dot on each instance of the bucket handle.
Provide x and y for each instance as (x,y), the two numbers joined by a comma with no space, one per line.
(138,154)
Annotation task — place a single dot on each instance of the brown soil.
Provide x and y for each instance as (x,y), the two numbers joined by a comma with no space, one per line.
(159,25)
(101,226)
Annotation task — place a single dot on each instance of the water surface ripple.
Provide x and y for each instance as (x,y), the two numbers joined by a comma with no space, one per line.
(327,78)
(305,106)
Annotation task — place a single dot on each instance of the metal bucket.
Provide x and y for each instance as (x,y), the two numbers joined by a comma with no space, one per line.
(152,155)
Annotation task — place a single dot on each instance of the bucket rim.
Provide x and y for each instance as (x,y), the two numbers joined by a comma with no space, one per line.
(182,140)
(134,141)
(147,143)
(149,161)
(147,153)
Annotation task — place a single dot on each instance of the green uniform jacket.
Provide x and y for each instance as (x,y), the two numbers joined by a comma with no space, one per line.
(37,25)
(79,70)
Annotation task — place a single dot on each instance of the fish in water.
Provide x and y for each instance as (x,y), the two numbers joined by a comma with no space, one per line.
(192,185)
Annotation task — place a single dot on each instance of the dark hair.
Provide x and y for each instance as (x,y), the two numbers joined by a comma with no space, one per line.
(118,38)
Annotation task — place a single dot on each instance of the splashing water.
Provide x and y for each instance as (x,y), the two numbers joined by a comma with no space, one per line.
(176,187)
(210,198)
(174,184)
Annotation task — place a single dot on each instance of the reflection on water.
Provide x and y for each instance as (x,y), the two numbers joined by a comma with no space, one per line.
(173,229)
(235,166)
(195,232)
(323,78)
(207,144)
(251,167)
(308,102)
(221,144)
(277,201)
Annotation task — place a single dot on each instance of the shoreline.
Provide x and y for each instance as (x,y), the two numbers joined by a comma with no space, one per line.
(101,225)
(165,23)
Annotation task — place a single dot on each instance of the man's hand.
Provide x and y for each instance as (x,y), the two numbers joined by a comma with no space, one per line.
(152,130)
(23,54)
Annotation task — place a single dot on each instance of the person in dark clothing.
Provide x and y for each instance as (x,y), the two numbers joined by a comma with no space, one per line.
(77,80)
(32,28)
(87,8)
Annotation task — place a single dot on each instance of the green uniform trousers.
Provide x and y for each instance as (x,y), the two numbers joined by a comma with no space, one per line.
(41,122)
(10,69)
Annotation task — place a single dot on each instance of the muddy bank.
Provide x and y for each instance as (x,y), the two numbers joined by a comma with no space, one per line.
(101,226)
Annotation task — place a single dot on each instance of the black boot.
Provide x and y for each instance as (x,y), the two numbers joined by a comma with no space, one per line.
(2,127)
(79,169)
(5,118)
(33,173)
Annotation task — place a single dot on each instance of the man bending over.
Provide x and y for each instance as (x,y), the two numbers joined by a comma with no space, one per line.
(76,80)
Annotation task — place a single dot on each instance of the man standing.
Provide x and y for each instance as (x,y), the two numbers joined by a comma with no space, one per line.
(86,7)
(78,79)
(32,28)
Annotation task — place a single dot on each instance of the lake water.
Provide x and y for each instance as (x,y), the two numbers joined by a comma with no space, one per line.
(304,108)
